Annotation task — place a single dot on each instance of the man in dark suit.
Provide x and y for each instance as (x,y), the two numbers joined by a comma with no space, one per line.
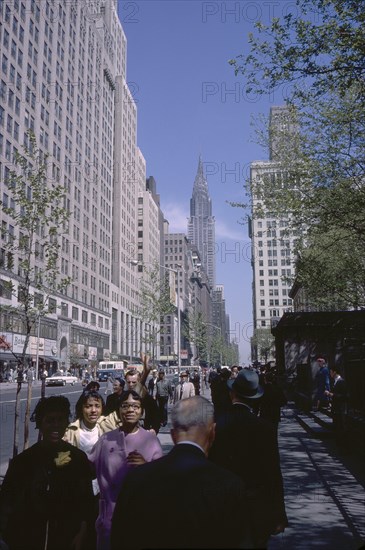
(247,446)
(338,395)
(182,484)
(113,399)
(152,384)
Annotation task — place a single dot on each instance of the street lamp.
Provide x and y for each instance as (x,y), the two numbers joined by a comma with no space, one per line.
(135,263)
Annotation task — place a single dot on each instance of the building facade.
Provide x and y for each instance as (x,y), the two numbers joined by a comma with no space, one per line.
(272,243)
(63,75)
(201,224)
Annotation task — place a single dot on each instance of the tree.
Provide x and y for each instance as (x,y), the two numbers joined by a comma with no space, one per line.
(154,304)
(264,342)
(217,350)
(230,354)
(196,333)
(31,253)
(319,49)
(320,191)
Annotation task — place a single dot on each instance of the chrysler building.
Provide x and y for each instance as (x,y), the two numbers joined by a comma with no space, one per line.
(201,224)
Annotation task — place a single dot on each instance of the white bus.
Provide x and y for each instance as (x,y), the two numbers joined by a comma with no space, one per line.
(112,365)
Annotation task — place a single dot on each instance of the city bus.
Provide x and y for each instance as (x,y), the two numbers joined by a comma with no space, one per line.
(112,365)
(115,369)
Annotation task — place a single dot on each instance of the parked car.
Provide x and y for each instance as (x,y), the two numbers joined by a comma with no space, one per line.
(60,379)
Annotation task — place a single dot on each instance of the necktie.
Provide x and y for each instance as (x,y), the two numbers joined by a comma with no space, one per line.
(181,390)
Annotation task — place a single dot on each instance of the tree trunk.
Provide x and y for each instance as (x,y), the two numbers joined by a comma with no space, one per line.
(17,412)
(43,394)
(27,413)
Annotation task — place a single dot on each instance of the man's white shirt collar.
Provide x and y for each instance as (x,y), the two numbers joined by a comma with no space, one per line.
(187,442)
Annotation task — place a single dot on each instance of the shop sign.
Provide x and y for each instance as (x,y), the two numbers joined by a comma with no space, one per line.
(18,343)
(6,341)
(92,353)
(33,345)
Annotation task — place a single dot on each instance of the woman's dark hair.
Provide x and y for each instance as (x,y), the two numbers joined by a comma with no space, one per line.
(86,394)
(93,385)
(46,405)
(120,380)
(124,396)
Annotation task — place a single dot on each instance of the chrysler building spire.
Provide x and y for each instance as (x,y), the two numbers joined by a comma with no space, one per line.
(201,224)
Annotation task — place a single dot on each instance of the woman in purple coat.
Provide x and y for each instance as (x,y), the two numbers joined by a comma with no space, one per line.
(115,453)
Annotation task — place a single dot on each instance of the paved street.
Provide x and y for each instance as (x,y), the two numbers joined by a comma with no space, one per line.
(7,403)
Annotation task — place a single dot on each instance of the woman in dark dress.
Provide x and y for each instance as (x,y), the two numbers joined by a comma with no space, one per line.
(46,497)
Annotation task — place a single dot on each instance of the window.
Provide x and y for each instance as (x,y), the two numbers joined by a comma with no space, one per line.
(52,305)
(84,316)
(5,289)
(38,299)
(75,313)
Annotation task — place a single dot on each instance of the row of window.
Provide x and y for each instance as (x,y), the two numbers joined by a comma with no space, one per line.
(274,272)
(274,262)
(274,243)
(276,302)
(273,282)
(275,292)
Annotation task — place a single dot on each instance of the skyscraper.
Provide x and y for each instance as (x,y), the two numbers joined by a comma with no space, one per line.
(272,239)
(201,225)
(63,75)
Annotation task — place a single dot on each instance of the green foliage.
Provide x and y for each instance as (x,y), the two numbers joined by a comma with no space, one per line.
(319,49)
(319,151)
(32,250)
(264,343)
(32,253)
(154,304)
(197,334)
(217,348)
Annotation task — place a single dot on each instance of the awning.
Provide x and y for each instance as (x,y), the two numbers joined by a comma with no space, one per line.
(9,356)
(49,358)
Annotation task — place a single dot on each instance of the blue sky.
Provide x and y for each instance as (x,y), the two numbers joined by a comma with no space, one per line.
(189,103)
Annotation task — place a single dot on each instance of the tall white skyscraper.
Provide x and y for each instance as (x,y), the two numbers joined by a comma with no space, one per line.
(272,242)
(63,74)
(201,224)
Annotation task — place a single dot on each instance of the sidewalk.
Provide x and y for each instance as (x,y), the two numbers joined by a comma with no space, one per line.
(325,503)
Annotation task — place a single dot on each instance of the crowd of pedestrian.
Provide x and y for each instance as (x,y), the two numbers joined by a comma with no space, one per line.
(83,485)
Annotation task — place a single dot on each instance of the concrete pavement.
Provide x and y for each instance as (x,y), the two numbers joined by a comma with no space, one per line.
(324,492)
(325,502)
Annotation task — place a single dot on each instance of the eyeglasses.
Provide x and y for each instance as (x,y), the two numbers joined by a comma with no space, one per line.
(134,406)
